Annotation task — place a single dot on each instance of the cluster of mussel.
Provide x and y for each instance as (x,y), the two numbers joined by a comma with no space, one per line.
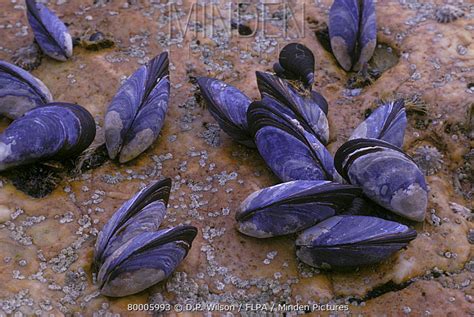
(131,252)
(319,197)
(323,198)
(41,129)
(44,130)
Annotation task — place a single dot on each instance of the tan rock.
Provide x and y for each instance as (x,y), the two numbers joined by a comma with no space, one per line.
(5,213)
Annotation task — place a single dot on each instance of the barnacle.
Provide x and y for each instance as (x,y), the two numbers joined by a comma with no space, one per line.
(428,158)
(448,13)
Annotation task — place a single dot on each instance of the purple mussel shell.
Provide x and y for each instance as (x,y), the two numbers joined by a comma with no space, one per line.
(53,131)
(293,206)
(144,212)
(50,32)
(320,101)
(386,174)
(20,91)
(388,123)
(296,61)
(228,105)
(350,241)
(352,32)
(288,149)
(137,113)
(310,109)
(144,260)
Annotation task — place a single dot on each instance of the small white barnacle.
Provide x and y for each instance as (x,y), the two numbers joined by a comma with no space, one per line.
(428,159)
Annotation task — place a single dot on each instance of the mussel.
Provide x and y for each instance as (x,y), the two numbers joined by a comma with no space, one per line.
(309,109)
(388,123)
(131,253)
(293,206)
(386,174)
(50,32)
(228,105)
(136,114)
(53,131)
(144,260)
(143,212)
(350,241)
(20,91)
(289,150)
(296,61)
(352,32)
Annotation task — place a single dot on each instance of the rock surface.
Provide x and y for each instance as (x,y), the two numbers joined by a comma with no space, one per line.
(46,245)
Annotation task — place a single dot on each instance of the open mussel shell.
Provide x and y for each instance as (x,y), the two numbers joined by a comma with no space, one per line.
(53,131)
(386,174)
(350,241)
(296,61)
(137,113)
(144,260)
(388,123)
(289,150)
(144,212)
(308,108)
(352,32)
(20,91)
(50,32)
(228,105)
(293,206)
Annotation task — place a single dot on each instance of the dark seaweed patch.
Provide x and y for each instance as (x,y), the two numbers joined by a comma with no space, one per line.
(36,180)
(365,77)
(91,158)
(40,179)
(386,288)
(322,34)
(28,57)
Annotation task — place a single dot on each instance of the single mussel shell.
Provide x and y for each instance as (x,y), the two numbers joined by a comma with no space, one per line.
(20,91)
(296,61)
(144,212)
(388,123)
(137,113)
(386,174)
(353,32)
(289,150)
(144,260)
(50,32)
(53,131)
(293,206)
(320,101)
(350,241)
(228,105)
(309,109)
